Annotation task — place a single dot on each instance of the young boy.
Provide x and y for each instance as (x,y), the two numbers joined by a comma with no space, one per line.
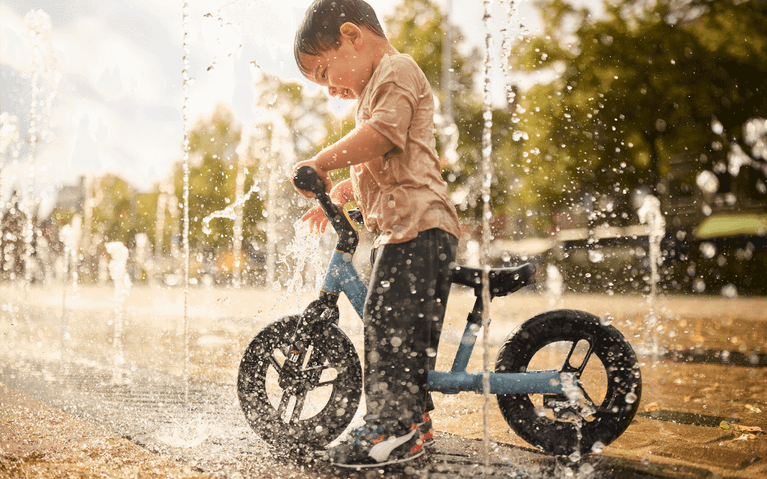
(397,184)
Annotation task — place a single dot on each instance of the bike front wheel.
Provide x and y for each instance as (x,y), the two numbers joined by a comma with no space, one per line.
(601,380)
(318,404)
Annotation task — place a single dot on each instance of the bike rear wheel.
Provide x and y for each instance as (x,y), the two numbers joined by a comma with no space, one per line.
(318,404)
(603,389)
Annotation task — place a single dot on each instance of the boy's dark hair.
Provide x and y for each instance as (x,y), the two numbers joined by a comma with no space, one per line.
(321,29)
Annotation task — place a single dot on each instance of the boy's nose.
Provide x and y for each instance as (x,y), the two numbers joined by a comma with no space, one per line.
(333,91)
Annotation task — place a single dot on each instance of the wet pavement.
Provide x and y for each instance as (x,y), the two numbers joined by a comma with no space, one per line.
(703,411)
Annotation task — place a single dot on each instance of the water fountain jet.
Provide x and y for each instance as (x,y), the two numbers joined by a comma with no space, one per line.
(118,273)
(650,213)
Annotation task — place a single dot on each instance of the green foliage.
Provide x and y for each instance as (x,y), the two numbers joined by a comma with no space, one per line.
(638,86)
(113,215)
(417,28)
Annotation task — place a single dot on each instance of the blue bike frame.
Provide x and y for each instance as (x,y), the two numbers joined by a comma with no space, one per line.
(343,277)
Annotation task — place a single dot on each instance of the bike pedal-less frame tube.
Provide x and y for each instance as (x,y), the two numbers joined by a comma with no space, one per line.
(540,382)
(342,276)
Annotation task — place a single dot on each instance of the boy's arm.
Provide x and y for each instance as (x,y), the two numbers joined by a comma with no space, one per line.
(359,146)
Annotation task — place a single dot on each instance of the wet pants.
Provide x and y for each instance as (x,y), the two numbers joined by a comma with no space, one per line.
(403,316)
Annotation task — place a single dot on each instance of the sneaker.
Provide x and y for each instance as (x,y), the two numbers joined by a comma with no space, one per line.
(427,432)
(369,446)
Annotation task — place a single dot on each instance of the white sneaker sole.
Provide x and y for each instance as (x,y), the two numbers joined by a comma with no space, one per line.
(379,464)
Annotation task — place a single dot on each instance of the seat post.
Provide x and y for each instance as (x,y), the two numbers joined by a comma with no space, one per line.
(469,338)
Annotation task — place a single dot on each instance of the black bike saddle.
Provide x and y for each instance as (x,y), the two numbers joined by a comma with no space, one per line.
(503,281)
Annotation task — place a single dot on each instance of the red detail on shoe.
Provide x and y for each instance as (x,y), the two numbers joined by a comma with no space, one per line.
(379,439)
(428,435)
(416,448)
(426,417)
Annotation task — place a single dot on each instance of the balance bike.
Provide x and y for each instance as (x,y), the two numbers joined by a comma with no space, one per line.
(564,381)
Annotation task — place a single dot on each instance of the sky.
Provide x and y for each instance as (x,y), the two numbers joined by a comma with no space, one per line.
(118,101)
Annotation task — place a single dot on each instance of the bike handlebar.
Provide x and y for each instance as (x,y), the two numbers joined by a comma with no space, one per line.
(306,178)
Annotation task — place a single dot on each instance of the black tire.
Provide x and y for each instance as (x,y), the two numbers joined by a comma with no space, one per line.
(609,378)
(332,387)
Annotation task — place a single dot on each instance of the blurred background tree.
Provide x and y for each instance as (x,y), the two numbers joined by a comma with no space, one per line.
(635,87)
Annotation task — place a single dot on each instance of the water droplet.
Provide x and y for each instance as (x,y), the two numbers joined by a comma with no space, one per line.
(596,256)
(707,249)
(575,456)
(707,182)
(606,320)
(597,447)
(717,127)
(730,291)
(431,352)
(631,398)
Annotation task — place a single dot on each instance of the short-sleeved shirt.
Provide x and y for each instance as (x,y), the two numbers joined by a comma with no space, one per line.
(401,193)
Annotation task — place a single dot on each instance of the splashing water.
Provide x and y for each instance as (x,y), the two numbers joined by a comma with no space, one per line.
(185,115)
(185,435)
(231,211)
(118,254)
(70,236)
(487,180)
(650,214)
(303,252)
(555,286)
(755,134)
(444,119)
(9,141)
(45,79)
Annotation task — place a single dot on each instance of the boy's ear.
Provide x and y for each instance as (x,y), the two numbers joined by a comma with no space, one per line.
(352,32)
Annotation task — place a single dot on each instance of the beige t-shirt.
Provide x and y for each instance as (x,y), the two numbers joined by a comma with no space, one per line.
(401,193)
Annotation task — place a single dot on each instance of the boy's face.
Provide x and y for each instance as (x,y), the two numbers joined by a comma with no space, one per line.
(345,70)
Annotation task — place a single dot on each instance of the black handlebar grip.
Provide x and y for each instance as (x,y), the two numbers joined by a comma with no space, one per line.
(306,179)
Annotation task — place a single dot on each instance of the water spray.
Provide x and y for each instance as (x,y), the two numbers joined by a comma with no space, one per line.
(650,214)
(487,181)
(185,114)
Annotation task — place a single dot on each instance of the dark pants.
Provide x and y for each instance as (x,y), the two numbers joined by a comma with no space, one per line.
(403,317)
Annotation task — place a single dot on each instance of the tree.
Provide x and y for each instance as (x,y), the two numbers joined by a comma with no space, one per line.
(114,211)
(212,142)
(638,86)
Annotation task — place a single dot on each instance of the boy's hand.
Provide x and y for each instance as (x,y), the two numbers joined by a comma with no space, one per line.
(323,175)
(316,220)
(340,195)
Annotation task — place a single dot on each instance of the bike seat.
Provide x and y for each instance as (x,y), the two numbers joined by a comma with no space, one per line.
(503,281)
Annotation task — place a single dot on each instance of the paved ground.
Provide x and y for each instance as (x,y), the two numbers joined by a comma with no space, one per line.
(703,411)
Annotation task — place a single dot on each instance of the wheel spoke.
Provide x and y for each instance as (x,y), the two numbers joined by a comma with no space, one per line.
(275,364)
(296,414)
(284,401)
(567,366)
(329,382)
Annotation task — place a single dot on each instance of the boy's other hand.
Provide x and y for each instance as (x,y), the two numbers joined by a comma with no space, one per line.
(323,175)
(316,220)
(315,217)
